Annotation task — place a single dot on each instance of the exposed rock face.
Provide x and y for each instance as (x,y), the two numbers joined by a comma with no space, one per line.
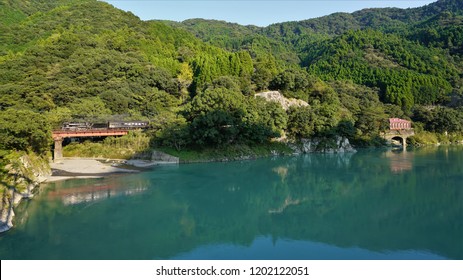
(161,157)
(338,145)
(6,211)
(276,96)
(25,173)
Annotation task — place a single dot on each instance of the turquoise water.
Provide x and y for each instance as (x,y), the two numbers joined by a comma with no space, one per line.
(368,205)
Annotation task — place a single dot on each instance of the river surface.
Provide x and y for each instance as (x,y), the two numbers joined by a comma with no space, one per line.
(368,205)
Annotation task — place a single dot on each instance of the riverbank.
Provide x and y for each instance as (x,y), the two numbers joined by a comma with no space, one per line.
(248,152)
(72,168)
(229,153)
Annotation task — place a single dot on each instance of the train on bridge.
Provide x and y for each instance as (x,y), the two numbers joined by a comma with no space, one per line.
(76,126)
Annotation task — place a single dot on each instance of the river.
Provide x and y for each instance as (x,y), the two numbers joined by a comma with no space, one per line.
(368,205)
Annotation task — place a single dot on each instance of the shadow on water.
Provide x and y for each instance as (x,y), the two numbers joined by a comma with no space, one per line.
(369,205)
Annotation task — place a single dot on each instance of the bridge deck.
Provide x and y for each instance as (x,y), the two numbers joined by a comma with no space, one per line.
(60,134)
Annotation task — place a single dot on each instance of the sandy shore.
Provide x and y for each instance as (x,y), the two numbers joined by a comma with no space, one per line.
(83,168)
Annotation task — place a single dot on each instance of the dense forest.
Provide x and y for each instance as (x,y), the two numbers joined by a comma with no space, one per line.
(195,81)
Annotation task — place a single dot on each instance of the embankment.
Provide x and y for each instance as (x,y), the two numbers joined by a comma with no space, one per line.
(23,172)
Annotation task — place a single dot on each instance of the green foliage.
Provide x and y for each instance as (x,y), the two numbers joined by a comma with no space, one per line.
(221,116)
(228,153)
(174,134)
(444,30)
(363,108)
(216,63)
(406,72)
(440,119)
(268,114)
(265,70)
(294,83)
(83,59)
(300,122)
(92,108)
(424,138)
(20,169)
(124,147)
(24,130)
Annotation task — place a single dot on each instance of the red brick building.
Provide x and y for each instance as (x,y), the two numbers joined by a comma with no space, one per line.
(399,124)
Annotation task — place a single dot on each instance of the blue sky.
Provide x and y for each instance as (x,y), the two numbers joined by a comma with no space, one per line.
(257,12)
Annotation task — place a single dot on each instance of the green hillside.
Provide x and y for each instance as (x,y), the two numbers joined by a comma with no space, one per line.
(195,80)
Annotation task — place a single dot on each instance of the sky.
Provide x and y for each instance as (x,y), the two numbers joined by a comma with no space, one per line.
(255,12)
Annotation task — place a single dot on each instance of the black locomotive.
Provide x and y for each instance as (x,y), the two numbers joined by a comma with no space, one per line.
(106,125)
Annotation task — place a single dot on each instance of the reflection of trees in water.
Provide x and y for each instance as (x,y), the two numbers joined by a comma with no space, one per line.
(354,202)
(346,203)
(365,205)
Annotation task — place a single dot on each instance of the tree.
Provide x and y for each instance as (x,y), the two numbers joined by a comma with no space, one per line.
(300,122)
(215,116)
(264,71)
(215,99)
(171,131)
(291,80)
(184,78)
(447,120)
(23,130)
(155,102)
(89,109)
(269,114)
(57,116)
(215,128)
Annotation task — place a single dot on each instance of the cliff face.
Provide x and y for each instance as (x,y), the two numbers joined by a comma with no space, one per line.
(276,96)
(332,146)
(23,172)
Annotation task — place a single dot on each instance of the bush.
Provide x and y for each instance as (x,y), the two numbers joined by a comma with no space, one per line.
(124,147)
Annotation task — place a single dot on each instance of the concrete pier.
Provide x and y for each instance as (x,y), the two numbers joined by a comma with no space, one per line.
(58,149)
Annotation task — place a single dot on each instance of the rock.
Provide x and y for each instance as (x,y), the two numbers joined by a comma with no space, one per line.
(6,211)
(163,158)
(276,96)
(24,173)
(338,145)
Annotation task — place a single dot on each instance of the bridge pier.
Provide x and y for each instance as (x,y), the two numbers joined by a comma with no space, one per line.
(404,142)
(58,149)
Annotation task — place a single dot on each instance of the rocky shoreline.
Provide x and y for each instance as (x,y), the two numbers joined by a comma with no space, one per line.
(338,145)
(25,172)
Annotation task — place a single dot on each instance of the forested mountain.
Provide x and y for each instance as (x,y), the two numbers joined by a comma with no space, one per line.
(194,81)
(414,56)
(383,19)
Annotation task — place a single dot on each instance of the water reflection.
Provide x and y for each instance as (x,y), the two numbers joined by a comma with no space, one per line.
(400,160)
(296,250)
(94,192)
(328,206)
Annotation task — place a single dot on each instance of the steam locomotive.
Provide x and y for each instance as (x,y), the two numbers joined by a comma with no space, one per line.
(106,125)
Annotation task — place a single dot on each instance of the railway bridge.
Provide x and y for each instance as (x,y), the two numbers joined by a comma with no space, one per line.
(60,135)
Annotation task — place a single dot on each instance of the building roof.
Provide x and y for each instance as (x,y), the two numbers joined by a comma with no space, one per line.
(397,120)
